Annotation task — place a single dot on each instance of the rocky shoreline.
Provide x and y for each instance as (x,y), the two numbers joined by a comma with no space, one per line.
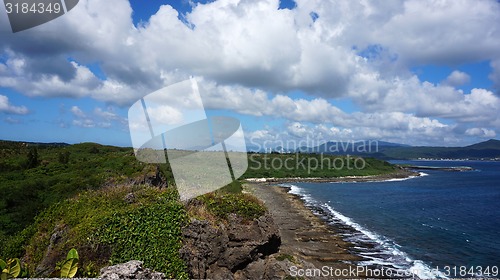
(305,236)
(401,173)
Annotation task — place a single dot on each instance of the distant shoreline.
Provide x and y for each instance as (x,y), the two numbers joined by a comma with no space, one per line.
(400,174)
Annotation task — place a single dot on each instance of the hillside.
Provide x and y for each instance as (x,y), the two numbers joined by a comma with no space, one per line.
(485,150)
(113,208)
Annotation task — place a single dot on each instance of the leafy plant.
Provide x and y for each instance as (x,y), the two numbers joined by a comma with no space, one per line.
(10,269)
(150,233)
(89,270)
(70,265)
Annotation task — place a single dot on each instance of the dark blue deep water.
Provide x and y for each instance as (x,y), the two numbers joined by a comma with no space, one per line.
(442,219)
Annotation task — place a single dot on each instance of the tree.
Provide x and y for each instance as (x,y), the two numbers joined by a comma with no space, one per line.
(64,157)
(32,158)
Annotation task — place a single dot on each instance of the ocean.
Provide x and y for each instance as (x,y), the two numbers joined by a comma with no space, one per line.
(441,224)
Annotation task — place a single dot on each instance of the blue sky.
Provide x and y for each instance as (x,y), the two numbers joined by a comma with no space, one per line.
(405,71)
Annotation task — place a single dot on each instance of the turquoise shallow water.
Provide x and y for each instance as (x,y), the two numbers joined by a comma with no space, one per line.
(443,219)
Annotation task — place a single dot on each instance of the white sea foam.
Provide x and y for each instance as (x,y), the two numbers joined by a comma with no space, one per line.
(395,256)
(421,174)
(418,267)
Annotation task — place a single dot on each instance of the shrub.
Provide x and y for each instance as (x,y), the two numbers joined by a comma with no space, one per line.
(222,204)
(149,233)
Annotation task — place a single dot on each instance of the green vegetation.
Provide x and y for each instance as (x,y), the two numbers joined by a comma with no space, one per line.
(150,233)
(313,165)
(283,257)
(113,225)
(221,204)
(95,199)
(34,177)
(69,267)
(10,269)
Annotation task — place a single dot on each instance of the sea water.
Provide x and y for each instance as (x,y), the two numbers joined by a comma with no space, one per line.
(437,224)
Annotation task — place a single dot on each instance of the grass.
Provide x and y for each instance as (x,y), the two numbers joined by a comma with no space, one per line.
(313,165)
(218,205)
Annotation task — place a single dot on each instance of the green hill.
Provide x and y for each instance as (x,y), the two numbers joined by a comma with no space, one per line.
(485,150)
(103,202)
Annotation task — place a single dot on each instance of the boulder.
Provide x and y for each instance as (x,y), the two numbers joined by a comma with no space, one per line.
(129,270)
(219,251)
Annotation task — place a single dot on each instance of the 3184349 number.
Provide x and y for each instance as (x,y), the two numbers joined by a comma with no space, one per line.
(33,8)
(472,271)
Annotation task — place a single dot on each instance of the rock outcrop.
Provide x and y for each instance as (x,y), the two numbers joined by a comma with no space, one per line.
(129,270)
(223,251)
(53,252)
(153,178)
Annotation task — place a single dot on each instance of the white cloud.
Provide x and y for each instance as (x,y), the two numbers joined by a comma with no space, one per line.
(97,118)
(87,123)
(253,44)
(481,132)
(7,107)
(396,127)
(249,54)
(165,114)
(429,100)
(449,32)
(457,78)
(77,112)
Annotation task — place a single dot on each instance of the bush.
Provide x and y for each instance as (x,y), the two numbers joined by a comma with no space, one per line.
(105,229)
(150,233)
(222,204)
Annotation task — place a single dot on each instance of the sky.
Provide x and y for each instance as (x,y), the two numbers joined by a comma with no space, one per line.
(413,72)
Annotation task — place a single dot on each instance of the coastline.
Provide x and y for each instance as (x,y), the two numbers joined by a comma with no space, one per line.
(398,175)
(306,233)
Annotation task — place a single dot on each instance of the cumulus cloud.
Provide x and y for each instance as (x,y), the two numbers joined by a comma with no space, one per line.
(249,54)
(481,132)
(255,44)
(8,108)
(394,127)
(457,78)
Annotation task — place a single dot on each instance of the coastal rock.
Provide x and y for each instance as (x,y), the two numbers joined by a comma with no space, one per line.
(219,251)
(129,270)
(272,268)
(53,252)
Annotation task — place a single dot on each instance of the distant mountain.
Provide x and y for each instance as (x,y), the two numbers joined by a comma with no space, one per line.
(387,150)
(351,147)
(485,150)
(490,144)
